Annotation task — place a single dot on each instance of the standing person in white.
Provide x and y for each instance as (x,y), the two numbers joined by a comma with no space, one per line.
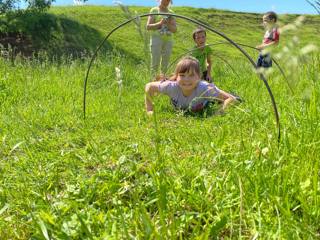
(161,41)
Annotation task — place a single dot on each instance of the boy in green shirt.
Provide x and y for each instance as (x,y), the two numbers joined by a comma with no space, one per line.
(203,53)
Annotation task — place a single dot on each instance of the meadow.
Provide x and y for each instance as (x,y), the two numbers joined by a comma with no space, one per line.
(120,174)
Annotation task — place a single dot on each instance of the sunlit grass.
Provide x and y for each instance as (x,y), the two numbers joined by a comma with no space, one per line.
(114,175)
(120,174)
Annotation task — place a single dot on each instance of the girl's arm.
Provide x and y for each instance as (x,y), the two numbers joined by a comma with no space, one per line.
(224,97)
(209,62)
(151,25)
(266,45)
(275,41)
(172,25)
(227,99)
(151,89)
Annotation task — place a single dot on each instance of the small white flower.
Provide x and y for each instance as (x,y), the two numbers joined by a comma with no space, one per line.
(118,76)
(295,39)
(265,151)
(118,73)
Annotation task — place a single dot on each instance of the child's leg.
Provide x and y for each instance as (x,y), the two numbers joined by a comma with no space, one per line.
(155,47)
(259,61)
(165,55)
(264,61)
(267,61)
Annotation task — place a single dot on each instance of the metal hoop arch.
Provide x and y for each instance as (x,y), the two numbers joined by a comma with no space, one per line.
(240,44)
(261,76)
(193,49)
(225,61)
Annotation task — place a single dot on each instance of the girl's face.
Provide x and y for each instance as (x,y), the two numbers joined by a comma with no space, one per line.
(164,3)
(200,39)
(187,82)
(267,23)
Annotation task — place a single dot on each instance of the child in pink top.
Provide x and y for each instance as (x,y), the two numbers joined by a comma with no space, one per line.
(271,38)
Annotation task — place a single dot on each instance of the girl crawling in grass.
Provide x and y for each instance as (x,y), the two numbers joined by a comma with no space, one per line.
(186,90)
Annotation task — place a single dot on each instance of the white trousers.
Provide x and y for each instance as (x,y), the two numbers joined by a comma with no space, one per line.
(160,54)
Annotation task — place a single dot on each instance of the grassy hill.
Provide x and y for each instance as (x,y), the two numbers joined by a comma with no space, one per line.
(79,29)
(120,174)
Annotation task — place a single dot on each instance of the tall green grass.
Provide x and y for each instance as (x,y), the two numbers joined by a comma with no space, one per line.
(118,175)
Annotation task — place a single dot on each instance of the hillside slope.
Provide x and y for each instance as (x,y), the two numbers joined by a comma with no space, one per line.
(79,29)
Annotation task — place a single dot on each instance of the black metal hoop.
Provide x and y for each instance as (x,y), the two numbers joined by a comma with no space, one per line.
(229,65)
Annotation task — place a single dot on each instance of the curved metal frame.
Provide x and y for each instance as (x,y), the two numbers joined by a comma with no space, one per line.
(225,61)
(193,49)
(277,64)
(261,76)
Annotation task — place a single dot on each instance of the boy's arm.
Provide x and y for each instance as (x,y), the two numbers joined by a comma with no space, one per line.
(150,90)
(209,64)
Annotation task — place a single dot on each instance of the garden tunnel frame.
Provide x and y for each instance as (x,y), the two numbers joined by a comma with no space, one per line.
(229,65)
(174,61)
(261,75)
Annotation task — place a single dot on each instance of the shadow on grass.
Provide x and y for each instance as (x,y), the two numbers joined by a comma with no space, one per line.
(33,34)
(210,110)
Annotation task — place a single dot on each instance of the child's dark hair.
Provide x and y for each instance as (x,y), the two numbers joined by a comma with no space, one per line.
(188,65)
(271,16)
(198,30)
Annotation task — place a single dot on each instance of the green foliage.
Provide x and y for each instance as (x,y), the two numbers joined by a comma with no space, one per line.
(122,175)
(33,5)
(6,5)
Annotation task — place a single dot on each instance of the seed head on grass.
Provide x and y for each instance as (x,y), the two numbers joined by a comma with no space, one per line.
(293,53)
(138,26)
(119,82)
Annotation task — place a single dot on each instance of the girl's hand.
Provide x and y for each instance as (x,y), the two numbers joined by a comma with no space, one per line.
(260,47)
(149,113)
(163,21)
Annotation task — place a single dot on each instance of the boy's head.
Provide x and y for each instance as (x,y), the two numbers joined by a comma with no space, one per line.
(199,36)
(269,18)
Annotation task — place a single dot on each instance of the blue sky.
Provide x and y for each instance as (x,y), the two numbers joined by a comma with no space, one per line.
(259,6)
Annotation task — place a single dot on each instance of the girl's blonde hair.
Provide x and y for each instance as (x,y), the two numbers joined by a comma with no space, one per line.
(188,65)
